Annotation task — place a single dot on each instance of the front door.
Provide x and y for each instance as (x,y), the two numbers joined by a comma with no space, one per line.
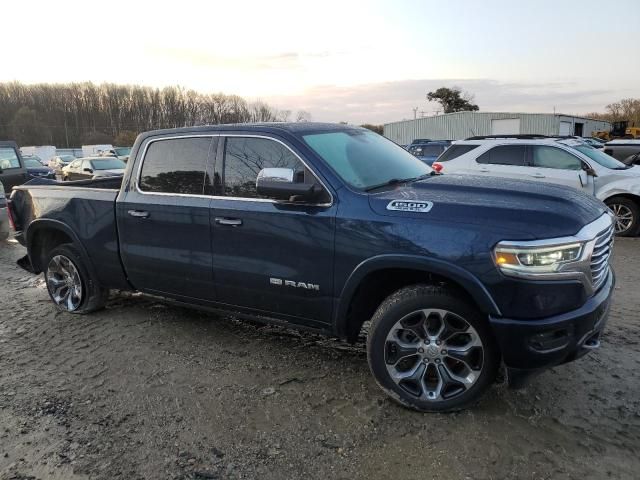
(163,219)
(555,165)
(273,257)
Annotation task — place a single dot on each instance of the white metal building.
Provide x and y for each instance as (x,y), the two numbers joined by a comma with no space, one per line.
(460,125)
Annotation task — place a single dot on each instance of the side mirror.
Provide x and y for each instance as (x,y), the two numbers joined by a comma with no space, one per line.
(278,184)
(589,170)
(88,170)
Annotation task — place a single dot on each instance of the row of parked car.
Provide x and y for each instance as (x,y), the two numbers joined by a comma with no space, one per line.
(604,170)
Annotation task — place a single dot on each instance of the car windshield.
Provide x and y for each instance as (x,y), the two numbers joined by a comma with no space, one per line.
(426,150)
(32,163)
(107,164)
(122,151)
(600,157)
(67,158)
(365,159)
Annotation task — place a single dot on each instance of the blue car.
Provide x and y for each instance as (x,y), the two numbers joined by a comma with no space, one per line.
(428,152)
(36,170)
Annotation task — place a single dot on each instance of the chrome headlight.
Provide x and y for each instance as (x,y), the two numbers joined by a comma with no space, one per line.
(514,259)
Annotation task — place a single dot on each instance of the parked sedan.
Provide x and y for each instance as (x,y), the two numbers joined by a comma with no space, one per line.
(36,170)
(93,167)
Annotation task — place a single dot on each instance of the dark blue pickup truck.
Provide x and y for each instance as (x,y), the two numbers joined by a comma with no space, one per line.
(326,227)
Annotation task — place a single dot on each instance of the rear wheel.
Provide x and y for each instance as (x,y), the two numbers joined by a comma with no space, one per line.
(70,285)
(430,350)
(627,215)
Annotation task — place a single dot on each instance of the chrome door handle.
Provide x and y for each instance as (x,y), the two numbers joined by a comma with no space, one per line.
(537,175)
(138,213)
(230,222)
(484,170)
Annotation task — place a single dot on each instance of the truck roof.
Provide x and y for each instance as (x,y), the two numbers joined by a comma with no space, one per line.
(298,128)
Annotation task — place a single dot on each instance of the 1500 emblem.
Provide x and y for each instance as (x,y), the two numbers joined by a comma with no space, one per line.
(291,283)
(409,206)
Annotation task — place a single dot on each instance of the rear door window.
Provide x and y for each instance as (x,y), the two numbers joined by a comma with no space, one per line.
(8,158)
(513,155)
(177,165)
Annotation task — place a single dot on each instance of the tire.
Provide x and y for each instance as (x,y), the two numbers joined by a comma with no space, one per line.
(627,214)
(435,378)
(71,287)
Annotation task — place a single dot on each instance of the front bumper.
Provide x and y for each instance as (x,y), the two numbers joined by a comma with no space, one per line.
(530,345)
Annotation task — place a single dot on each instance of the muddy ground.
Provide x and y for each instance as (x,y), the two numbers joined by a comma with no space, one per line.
(146,390)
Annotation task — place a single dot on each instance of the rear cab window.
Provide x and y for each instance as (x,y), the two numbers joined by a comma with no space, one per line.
(177,165)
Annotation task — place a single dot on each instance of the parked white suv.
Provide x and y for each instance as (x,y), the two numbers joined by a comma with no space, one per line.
(562,161)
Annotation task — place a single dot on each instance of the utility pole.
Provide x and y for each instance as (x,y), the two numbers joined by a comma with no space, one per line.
(415,112)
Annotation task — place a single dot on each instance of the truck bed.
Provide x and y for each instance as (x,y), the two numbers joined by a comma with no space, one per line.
(86,207)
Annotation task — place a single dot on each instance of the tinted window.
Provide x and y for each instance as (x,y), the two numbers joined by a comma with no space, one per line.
(552,157)
(364,159)
(454,151)
(245,157)
(8,158)
(175,166)
(504,155)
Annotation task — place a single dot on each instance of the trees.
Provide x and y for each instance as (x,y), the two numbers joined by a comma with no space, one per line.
(69,114)
(26,129)
(625,109)
(374,128)
(452,100)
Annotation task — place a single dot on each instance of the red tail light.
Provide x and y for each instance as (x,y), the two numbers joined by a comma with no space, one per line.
(437,166)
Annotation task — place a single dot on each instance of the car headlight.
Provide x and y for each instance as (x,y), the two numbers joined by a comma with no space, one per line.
(517,260)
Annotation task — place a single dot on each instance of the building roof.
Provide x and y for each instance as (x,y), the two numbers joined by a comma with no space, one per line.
(469,112)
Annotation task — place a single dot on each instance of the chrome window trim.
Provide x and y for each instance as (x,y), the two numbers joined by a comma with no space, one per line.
(223,197)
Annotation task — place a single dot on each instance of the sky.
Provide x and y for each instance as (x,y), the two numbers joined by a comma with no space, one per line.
(355,61)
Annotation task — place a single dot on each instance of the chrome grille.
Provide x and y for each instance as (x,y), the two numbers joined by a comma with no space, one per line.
(600,257)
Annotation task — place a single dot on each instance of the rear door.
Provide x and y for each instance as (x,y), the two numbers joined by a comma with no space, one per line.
(508,161)
(555,165)
(270,256)
(163,218)
(12,171)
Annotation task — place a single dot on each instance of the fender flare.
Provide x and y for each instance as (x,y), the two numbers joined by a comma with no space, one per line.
(49,224)
(462,277)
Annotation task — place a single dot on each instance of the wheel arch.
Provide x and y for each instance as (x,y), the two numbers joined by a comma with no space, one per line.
(45,234)
(355,303)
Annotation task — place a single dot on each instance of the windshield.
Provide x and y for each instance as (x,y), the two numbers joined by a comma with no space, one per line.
(122,151)
(600,157)
(107,164)
(426,150)
(32,163)
(67,158)
(365,159)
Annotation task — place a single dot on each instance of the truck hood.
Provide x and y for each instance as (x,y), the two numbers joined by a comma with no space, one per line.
(523,209)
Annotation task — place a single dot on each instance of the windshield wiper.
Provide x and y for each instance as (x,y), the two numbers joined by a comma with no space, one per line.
(396,181)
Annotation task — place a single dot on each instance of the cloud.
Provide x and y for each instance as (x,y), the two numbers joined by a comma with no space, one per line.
(392,101)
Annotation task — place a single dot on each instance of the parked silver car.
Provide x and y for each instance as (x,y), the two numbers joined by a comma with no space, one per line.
(625,150)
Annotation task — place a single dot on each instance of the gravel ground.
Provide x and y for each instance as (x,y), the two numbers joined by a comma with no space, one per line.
(146,390)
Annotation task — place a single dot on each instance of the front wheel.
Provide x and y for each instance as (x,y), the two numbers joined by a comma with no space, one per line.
(70,285)
(431,350)
(627,215)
